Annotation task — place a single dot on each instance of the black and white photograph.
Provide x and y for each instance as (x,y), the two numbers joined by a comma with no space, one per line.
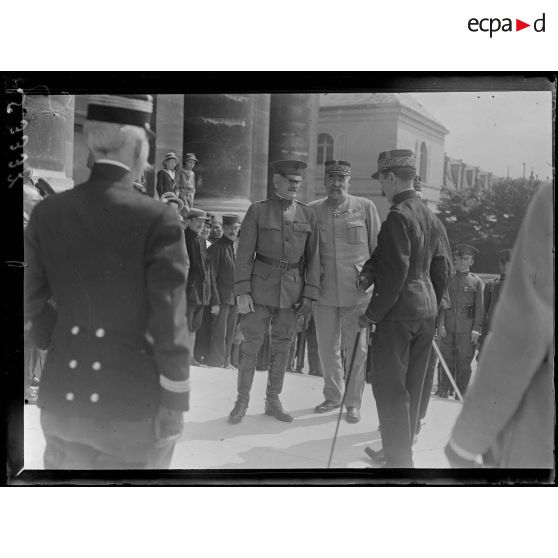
(309,281)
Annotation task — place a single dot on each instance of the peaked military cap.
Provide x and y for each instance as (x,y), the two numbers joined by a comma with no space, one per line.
(231,219)
(465,249)
(195,212)
(394,159)
(134,110)
(338,167)
(505,255)
(288,167)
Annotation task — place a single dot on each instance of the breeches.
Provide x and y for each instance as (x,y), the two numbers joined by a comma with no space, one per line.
(458,352)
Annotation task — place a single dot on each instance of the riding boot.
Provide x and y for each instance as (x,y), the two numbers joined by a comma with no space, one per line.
(239,410)
(275,379)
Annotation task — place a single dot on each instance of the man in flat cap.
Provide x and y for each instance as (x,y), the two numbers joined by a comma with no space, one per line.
(166,177)
(492,291)
(277,273)
(349,227)
(222,258)
(201,290)
(409,270)
(116,379)
(463,321)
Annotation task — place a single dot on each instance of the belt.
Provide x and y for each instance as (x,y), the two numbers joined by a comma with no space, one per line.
(283,265)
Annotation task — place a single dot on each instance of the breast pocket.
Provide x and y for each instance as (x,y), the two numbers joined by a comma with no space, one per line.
(323,235)
(356,231)
(302,228)
(270,236)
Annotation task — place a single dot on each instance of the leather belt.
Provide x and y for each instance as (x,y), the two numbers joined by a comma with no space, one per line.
(283,265)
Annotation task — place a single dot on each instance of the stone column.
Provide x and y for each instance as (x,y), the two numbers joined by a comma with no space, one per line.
(169,124)
(293,133)
(260,146)
(50,130)
(218,129)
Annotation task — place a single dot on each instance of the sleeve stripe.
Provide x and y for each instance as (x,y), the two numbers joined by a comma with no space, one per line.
(181,386)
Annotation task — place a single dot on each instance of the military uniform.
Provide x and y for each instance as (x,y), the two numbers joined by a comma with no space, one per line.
(464,315)
(277,263)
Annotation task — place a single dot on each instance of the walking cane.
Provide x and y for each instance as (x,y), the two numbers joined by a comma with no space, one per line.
(446,370)
(360,332)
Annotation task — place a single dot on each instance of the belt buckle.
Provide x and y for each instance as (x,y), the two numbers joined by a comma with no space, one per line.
(283,265)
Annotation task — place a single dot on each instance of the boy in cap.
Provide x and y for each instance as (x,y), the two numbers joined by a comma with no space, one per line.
(222,260)
(409,270)
(462,320)
(349,228)
(166,177)
(116,379)
(277,272)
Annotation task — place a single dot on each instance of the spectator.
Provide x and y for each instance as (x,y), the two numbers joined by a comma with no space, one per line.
(166,177)
(187,180)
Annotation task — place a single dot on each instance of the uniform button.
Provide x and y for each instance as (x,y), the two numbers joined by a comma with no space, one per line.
(96,365)
(94,397)
(69,396)
(100,332)
(73,363)
(75,330)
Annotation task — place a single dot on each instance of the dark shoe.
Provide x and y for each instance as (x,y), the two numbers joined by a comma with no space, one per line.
(353,414)
(273,408)
(327,406)
(237,414)
(457,397)
(443,393)
(194,362)
(377,457)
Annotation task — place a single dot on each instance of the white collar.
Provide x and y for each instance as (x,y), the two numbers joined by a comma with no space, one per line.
(113,162)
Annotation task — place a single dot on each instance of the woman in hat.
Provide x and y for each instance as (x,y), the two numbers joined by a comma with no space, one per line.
(186,179)
(166,177)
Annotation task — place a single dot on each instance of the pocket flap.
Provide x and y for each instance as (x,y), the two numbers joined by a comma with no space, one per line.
(302,227)
(355,223)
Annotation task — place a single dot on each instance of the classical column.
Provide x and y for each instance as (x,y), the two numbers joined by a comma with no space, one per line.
(218,129)
(260,146)
(293,130)
(50,132)
(169,124)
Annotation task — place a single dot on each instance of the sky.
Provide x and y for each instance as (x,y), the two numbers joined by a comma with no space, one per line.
(494,130)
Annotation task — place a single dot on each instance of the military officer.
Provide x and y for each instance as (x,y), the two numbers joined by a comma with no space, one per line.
(222,257)
(349,228)
(116,379)
(492,291)
(462,320)
(277,272)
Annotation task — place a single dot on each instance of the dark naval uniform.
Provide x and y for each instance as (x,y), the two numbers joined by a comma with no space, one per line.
(277,262)
(114,264)
(464,315)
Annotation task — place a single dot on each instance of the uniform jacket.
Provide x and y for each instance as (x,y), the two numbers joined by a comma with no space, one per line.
(466,311)
(166,183)
(221,258)
(200,289)
(347,241)
(491,294)
(282,231)
(509,406)
(410,266)
(114,264)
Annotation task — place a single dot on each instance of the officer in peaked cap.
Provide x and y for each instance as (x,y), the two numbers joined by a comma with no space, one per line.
(492,291)
(116,379)
(349,227)
(277,273)
(463,320)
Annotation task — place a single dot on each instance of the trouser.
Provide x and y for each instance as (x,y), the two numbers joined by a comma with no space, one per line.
(400,352)
(203,335)
(254,327)
(93,443)
(312,342)
(428,383)
(222,335)
(336,329)
(458,352)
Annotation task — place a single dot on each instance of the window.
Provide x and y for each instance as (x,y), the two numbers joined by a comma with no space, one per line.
(325,148)
(423,162)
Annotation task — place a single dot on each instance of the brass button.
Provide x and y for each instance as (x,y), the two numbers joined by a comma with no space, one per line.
(100,332)
(96,365)
(69,396)
(73,363)
(75,330)
(94,397)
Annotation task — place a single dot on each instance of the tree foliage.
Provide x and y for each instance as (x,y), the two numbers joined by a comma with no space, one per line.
(486,218)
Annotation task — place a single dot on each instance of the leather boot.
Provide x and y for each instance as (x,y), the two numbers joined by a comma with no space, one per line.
(273,408)
(240,408)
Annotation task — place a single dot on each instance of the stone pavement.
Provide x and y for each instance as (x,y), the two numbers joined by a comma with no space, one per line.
(262,442)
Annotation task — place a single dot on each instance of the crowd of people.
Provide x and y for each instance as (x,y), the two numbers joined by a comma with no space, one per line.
(124,292)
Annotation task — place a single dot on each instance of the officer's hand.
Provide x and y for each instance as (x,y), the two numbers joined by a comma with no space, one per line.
(215,309)
(475,337)
(168,424)
(364,322)
(303,309)
(245,304)
(363,283)
(442,331)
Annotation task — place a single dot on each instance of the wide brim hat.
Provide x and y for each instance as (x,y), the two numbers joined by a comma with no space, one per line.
(133,110)
(395,159)
(190,157)
(289,167)
(170,197)
(170,156)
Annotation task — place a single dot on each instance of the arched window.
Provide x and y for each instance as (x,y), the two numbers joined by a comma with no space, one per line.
(423,162)
(325,148)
